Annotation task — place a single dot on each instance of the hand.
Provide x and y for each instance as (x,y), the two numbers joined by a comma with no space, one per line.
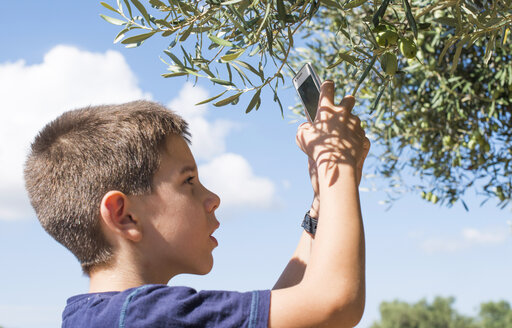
(313,173)
(336,135)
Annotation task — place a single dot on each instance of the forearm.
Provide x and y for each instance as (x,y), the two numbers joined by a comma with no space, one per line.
(294,271)
(336,266)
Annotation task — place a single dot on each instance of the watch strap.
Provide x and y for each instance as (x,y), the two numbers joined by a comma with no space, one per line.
(309,223)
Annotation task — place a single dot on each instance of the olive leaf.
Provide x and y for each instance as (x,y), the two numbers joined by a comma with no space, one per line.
(212,98)
(410,17)
(111,20)
(138,38)
(228,100)
(141,9)
(255,100)
(219,41)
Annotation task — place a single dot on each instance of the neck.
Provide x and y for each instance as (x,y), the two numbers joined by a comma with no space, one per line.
(122,275)
(114,279)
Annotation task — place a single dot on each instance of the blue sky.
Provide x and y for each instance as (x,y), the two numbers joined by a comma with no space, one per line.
(57,55)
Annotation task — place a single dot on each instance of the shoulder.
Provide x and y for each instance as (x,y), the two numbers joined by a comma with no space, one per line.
(187,307)
(162,305)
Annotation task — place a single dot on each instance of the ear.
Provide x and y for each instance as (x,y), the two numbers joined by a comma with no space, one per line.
(116,215)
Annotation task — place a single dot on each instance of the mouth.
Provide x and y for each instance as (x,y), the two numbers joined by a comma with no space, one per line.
(212,237)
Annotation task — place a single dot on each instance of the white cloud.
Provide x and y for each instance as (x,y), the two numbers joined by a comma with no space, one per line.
(440,245)
(67,78)
(208,138)
(475,236)
(33,95)
(468,237)
(232,178)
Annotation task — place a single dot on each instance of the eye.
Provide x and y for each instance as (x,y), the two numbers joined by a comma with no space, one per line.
(190,180)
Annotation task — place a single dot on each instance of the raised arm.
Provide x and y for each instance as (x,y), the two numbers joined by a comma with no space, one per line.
(331,292)
(294,270)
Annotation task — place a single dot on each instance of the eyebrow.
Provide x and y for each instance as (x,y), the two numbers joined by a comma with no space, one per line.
(188,168)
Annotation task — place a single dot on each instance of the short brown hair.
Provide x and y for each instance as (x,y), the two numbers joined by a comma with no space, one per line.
(85,153)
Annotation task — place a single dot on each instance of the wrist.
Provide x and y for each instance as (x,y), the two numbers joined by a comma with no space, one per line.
(315,207)
(333,159)
(329,172)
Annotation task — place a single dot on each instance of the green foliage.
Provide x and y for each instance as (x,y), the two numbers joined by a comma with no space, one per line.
(443,115)
(223,32)
(496,315)
(441,314)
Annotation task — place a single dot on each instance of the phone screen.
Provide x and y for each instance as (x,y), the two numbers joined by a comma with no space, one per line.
(310,95)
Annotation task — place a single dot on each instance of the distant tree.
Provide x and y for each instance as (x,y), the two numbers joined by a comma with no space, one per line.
(439,104)
(441,314)
(496,315)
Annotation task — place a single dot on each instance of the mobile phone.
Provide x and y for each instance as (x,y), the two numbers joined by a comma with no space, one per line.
(307,83)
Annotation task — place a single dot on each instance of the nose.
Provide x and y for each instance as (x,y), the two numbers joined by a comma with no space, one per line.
(212,201)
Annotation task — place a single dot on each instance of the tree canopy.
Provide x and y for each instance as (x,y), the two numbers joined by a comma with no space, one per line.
(435,76)
(441,314)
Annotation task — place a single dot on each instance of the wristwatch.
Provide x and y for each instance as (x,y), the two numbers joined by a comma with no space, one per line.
(309,224)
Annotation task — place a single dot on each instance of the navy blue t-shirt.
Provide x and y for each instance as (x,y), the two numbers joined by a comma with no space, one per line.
(165,306)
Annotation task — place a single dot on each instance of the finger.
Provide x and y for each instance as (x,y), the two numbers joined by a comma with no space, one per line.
(326,94)
(366,147)
(303,127)
(347,103)
(304,124)
(355,119)
(366,150)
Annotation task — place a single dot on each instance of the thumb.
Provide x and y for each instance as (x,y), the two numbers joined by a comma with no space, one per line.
(299,137)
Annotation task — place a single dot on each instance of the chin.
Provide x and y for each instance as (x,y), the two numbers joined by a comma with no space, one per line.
(207,268)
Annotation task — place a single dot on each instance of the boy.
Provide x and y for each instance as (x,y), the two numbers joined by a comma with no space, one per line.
(118,186)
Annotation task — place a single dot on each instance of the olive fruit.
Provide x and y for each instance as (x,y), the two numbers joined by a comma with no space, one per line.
(389,63)
(447,141)
(385,35)
(407,48)
(479,138)
(387,38)
(496,93)
(434,199)
(472,144)
(379,28)
(486,147)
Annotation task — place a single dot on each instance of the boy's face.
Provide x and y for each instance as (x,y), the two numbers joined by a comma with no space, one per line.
(178,216)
